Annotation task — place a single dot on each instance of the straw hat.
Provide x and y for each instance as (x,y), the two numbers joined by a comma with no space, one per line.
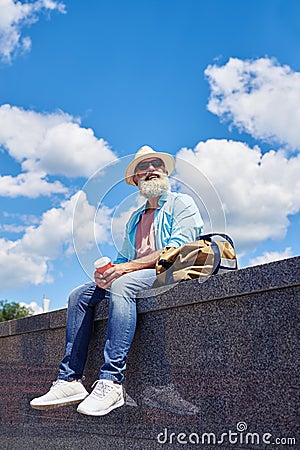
(146,152)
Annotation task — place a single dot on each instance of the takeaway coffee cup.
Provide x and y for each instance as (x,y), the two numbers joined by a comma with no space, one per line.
(102,264)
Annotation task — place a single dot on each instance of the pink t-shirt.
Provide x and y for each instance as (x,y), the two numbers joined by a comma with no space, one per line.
(145,234)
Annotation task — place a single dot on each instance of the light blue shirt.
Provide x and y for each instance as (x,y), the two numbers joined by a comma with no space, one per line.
(177,221)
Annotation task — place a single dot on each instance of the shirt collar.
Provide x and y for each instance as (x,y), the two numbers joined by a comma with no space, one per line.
(163,198)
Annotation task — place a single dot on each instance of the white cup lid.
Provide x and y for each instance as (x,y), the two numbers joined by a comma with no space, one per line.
(101,262)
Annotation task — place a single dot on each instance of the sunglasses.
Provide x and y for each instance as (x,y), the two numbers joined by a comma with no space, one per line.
(143,165)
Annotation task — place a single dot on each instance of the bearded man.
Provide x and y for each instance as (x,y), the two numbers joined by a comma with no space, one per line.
(166,219)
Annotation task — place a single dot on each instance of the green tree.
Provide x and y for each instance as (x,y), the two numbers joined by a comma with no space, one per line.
(13,310)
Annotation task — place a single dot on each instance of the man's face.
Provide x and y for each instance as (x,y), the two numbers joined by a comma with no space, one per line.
(151,178)
(148,169)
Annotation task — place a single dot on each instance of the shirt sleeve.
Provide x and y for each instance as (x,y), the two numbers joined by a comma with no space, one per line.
(187,222)
(123,254)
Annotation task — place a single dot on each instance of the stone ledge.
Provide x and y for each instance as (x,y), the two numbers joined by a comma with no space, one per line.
(265,277)
(38,322)
(228,347)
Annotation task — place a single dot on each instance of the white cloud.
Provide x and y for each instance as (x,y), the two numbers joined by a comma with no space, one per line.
(11,228)
(27,219)
(18,268)
(14,16)
(29,184)
(37,309)
(267,257)
(26,260)
(258,191)
(90,226)
(259,97)
(54,230)
(47,144)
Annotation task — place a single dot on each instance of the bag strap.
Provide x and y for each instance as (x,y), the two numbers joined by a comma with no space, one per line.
(166,264)
(169,277)
(208,237)
(217,256)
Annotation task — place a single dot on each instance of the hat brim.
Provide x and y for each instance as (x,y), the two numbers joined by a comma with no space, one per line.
(168,160)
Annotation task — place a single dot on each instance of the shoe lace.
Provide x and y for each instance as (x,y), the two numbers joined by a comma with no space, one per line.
(56,383)
(101,389)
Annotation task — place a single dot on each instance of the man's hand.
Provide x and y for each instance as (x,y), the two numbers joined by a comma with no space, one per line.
(104,280)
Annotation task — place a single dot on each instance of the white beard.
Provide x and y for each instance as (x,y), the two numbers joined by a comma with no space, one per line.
(155,187)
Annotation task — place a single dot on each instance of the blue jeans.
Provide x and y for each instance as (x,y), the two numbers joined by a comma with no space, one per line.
(120,329)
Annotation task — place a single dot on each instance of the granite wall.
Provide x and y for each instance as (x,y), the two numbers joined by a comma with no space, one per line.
(213,365)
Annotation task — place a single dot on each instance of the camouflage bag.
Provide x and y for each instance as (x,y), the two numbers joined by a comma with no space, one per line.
(202,258)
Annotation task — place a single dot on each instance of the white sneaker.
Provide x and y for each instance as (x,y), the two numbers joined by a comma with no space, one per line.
(105,397)
(61,393)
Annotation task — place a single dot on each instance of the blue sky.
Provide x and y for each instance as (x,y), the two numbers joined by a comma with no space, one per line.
(85,84)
